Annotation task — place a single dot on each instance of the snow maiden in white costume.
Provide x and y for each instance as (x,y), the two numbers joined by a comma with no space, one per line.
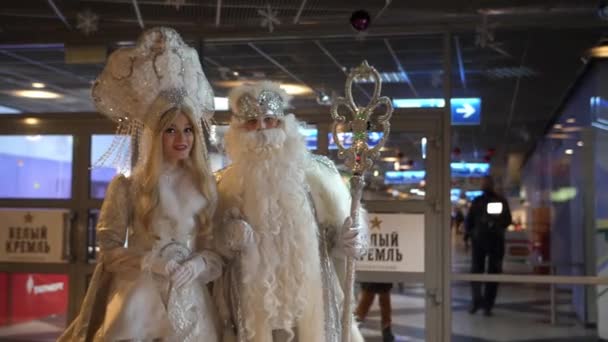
(151,276)
(281,223)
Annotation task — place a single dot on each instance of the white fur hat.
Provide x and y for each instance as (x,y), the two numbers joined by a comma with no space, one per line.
(160,65)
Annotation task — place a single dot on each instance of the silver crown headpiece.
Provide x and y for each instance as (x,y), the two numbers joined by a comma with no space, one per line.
(252,101)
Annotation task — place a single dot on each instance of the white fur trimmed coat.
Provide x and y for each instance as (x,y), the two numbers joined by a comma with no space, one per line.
(320,320)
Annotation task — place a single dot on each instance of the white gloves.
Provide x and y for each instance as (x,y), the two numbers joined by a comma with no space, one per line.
(163,268)
(188,271)
(351,241)
(206,265)
(238,234)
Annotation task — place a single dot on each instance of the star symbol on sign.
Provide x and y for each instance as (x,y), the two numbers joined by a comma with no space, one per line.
(87,22)
(269,18)
(376,222)
(29,218)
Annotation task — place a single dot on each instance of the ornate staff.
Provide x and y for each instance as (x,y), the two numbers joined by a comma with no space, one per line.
(359,157)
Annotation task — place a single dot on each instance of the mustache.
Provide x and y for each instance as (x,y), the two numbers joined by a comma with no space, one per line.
(264,140)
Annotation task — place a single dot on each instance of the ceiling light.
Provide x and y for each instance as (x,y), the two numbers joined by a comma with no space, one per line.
(571,120)
(235,73)
(296,89)
(31,121)
(38,85)
(569,151)
(571,129)
(36,94)
(580,144)
(390,159)
(559,136)
(558,126)
(600,51)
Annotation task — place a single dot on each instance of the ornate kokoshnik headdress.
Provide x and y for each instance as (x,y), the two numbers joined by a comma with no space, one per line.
(254,101)
(140,83)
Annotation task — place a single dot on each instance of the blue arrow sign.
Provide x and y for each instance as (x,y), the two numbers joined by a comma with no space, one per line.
(465,111)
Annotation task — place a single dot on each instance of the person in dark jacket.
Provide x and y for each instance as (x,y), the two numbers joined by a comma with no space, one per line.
(485,225)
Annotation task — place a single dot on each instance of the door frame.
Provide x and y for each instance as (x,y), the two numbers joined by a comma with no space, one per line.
(436,210)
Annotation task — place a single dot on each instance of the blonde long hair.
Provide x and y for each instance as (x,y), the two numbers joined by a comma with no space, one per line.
(148,171)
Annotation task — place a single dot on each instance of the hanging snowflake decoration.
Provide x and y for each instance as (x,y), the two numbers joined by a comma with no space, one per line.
(176,3)
(436,78)
(87,22)
(484,32)
(269,18)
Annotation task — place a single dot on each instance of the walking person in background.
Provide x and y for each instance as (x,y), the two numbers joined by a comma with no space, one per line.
(485,225)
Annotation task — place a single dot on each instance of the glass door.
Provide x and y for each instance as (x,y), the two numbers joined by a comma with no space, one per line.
(405,197)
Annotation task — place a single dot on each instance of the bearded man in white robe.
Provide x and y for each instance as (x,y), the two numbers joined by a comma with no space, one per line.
(283,224)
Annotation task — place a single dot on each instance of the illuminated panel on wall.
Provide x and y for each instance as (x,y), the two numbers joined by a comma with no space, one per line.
(599,112)
(463,170)
(470,169)
(404,177)
(472,194)
(310,134)
(464,111)
(455,194)
(419,103)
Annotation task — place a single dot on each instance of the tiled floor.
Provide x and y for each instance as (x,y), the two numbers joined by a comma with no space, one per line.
(521,314)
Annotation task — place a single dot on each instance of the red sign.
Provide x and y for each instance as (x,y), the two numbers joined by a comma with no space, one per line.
(3,299)
(38,295)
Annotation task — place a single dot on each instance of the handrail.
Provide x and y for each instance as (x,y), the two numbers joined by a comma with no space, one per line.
(530,279)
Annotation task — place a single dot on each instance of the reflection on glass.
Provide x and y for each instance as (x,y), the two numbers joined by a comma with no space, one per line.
(346,138)
(92,246)
(36,166)
(399,173)
(102,175)
(37,306)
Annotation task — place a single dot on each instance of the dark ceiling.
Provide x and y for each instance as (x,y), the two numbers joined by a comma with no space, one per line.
(519,56)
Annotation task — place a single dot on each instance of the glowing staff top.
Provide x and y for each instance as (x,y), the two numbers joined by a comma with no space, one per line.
(360,157)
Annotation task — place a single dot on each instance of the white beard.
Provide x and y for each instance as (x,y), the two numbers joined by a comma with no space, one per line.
(281,277)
